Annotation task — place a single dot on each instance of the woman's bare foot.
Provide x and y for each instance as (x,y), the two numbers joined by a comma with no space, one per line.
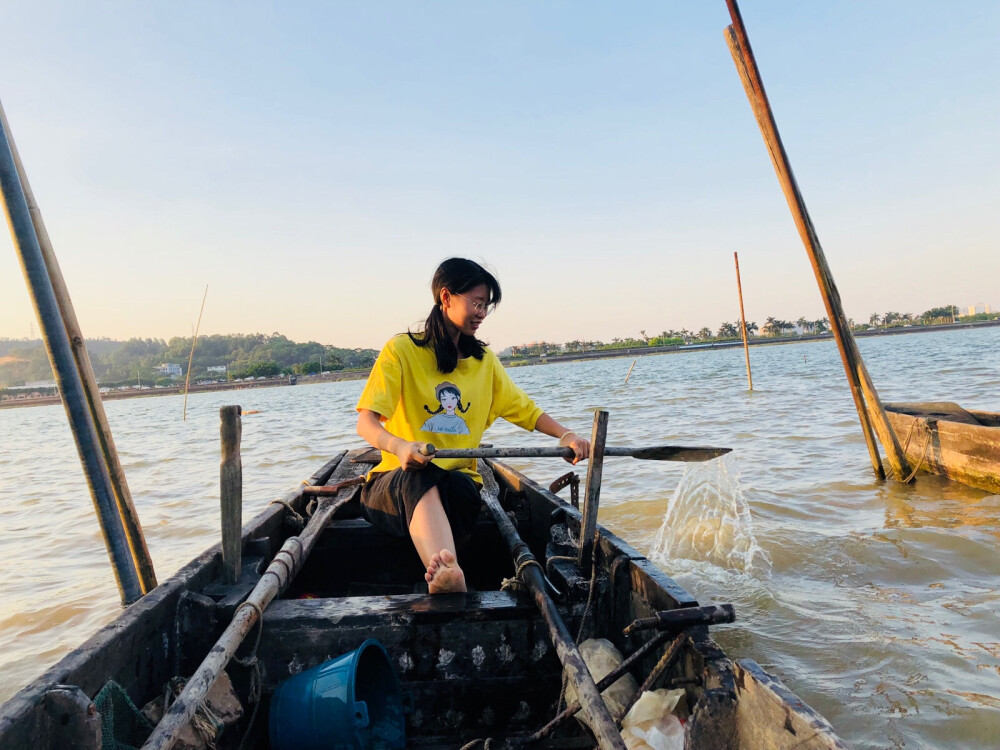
(443,574)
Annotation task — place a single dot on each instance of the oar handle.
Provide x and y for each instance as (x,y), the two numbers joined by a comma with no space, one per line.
(428,449)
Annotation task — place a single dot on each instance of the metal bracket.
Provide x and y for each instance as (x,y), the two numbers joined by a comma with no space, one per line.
(572,480)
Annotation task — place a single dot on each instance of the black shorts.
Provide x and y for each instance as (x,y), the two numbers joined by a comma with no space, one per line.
(389,498)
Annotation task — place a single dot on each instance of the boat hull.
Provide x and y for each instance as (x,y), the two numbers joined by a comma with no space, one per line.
(942,438)
(477,665)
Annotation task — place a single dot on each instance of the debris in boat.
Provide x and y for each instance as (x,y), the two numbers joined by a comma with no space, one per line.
(355,701)
(651,723)
(220,709)
(121,720)
(602,658)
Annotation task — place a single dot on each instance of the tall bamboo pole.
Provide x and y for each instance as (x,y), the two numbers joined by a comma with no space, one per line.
(68,377)
(194,339)
(871,414)
(123,497)
(743,319)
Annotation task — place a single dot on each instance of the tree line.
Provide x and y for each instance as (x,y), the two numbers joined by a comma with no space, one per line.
(772,328)
(136,360)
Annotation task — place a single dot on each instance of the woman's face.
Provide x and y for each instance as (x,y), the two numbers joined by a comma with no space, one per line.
(449,401)
(466,311)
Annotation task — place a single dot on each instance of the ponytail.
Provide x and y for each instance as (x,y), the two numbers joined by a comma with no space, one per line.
(457,275)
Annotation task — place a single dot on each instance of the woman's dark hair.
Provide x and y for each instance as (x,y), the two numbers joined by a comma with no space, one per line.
(457,275)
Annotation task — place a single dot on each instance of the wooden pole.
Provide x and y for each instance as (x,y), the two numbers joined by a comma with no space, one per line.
(871,414)
(592,497)
(629,374)
(68,376)
(231,484)
(187,380)
(123,497)
(743,319)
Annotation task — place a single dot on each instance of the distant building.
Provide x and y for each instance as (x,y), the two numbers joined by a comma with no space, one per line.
(170,370)
(217,368)
(978,309)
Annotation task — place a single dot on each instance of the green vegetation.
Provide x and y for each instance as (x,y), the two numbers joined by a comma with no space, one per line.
(136,360)
(772,328)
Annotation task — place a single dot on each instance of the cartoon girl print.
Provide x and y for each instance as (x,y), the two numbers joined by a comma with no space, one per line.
(444,419)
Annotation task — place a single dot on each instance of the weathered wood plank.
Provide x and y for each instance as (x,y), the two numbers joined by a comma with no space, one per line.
(428,637)
(230,489)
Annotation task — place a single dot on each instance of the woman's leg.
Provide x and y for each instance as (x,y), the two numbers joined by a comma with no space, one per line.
(432,536)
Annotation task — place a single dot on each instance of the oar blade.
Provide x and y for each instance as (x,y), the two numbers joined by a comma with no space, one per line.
(678,453)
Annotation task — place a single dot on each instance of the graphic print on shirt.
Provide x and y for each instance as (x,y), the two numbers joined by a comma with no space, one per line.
(444,420)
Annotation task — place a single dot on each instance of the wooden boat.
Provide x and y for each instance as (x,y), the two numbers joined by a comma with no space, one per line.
(941,437)
(477,665)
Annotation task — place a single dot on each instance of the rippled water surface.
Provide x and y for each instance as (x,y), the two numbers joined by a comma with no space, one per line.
(876,602)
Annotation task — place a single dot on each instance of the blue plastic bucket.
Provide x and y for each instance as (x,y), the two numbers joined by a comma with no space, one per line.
(353,701)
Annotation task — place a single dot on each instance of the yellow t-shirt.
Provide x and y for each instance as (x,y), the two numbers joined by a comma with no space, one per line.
(416,401)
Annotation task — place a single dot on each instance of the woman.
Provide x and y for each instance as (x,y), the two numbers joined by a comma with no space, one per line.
(444,371)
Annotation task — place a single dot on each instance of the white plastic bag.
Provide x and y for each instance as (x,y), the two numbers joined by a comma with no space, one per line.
(651,725)
(601,658)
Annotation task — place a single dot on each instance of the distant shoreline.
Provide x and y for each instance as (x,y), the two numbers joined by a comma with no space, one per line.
(148,392)
(640,351)
(525,361)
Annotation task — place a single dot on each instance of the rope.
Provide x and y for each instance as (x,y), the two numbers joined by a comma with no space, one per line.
(588,609)
(251,658)
(923,451)
(205,721)
(293,518)
(252,662)
(515,583)
(487,744)
(923,454)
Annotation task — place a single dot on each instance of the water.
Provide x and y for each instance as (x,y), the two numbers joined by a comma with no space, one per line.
(875,602)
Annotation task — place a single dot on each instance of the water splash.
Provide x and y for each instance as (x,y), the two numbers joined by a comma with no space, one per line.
(708,519)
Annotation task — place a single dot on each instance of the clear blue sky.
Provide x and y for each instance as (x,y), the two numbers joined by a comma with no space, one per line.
(312,162)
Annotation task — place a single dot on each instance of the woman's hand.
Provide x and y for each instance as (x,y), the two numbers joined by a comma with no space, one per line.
(581,447)
(409,455)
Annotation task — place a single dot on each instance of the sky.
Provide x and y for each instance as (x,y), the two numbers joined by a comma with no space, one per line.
(312,163)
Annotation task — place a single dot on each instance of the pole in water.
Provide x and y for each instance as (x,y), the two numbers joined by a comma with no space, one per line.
(630,370)
(194,338)
(743,319)
(866,400)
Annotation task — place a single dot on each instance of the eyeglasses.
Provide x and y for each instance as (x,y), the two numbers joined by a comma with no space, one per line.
(479,307)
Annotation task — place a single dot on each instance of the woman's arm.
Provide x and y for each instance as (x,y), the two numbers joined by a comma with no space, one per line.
(567,438)
(371,429)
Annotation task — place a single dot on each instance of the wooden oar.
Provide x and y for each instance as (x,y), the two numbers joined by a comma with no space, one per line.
(529,571)
(649,453)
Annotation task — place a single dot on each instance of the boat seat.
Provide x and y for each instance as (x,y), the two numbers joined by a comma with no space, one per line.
(353,557)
